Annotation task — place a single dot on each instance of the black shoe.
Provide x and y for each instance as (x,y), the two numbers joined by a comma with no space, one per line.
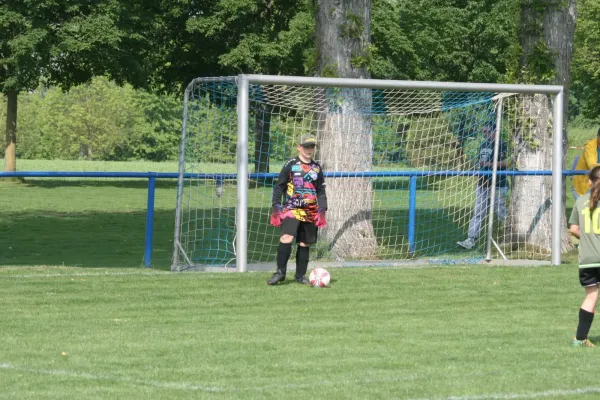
(302,280)
(276,278)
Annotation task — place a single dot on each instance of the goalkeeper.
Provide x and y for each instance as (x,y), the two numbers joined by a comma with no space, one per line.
(483,189)
(302,185)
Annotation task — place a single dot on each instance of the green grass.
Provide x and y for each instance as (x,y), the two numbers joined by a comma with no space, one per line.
(431,333)
(101,222)
(89,223)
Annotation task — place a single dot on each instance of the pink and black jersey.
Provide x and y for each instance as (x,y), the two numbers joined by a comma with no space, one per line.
(303,187)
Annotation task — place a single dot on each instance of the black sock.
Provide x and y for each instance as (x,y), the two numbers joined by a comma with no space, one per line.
(301,261)
(585,323)
(283,255)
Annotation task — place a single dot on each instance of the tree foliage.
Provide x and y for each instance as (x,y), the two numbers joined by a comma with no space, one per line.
(459,40)
(69,42)
(225,37)
(586,61)
(99,121)
(163,44)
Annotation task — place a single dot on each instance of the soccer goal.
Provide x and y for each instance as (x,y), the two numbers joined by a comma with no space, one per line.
(416,172)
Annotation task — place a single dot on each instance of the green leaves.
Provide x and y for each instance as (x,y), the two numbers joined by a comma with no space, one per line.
(69,42)
(586,59)
(458,40)
(99,121)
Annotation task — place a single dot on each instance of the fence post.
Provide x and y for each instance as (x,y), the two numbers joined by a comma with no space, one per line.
(149,219)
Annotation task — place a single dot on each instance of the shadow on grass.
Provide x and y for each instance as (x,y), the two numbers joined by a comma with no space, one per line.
(85,239)
(117,239)
(52,183)
(391,183)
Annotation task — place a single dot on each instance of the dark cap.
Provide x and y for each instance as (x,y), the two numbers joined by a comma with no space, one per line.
(598,132)
(307,140)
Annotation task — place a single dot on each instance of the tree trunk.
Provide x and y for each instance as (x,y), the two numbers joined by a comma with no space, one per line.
(531,220)
(546,58)
(10,151)
(345,138)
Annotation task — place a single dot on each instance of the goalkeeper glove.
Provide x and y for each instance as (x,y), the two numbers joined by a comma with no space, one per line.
(320,220)
(276,215)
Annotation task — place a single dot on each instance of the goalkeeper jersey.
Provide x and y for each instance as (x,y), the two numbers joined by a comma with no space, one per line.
(302,186)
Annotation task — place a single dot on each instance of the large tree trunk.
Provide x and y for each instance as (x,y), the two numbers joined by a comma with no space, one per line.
(531,220)
(345,139)
(546,58)
(10,151)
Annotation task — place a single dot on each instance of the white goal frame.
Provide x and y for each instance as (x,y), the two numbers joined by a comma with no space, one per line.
(243,81)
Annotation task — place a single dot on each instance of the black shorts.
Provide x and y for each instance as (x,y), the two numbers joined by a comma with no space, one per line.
(589,276)
(305,232)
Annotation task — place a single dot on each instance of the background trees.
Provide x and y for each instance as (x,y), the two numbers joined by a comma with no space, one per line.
(163,44)
(99,120)
(546,37)
(65,43)
(585,90)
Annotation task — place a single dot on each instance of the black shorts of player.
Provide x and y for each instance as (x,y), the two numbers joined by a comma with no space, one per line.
(589,276)
(305,232)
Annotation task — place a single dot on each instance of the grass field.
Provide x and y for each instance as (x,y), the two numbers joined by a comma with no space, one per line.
(462,333)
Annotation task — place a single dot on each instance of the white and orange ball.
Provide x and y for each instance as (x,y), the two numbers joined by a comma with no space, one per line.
(319,277)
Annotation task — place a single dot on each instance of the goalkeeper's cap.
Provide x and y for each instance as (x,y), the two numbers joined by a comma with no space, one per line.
(307,140)
(598,132)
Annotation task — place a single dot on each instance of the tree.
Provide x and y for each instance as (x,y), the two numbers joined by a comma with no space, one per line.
(456,40)
(586,59)
(343,39)
(546,37)
(65,43)
(249,36)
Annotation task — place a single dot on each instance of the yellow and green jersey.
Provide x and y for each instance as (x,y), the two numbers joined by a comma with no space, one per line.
(589,225)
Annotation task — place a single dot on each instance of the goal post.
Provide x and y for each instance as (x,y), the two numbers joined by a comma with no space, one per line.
(398,157)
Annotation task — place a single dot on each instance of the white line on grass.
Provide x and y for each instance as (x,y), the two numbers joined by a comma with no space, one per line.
(195,387)
(511,396)
(76,274)
(152,383)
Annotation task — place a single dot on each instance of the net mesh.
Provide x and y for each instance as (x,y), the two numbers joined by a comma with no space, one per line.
(402,169)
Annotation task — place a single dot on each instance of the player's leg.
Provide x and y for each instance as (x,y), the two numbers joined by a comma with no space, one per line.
(482,196)
(501,212)
(500,204)
(589,279)
(307,235)
(289,227)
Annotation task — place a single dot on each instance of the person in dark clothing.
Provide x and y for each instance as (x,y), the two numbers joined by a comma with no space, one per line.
(302,185)
(483,188)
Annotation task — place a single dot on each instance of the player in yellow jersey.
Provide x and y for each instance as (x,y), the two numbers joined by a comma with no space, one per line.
(585,225)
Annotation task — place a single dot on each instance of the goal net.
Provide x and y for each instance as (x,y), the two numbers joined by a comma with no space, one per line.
(415,172)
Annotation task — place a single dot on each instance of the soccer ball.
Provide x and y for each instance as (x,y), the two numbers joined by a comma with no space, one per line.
(319,277)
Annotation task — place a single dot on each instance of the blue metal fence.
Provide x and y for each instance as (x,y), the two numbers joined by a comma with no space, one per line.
(152,176)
